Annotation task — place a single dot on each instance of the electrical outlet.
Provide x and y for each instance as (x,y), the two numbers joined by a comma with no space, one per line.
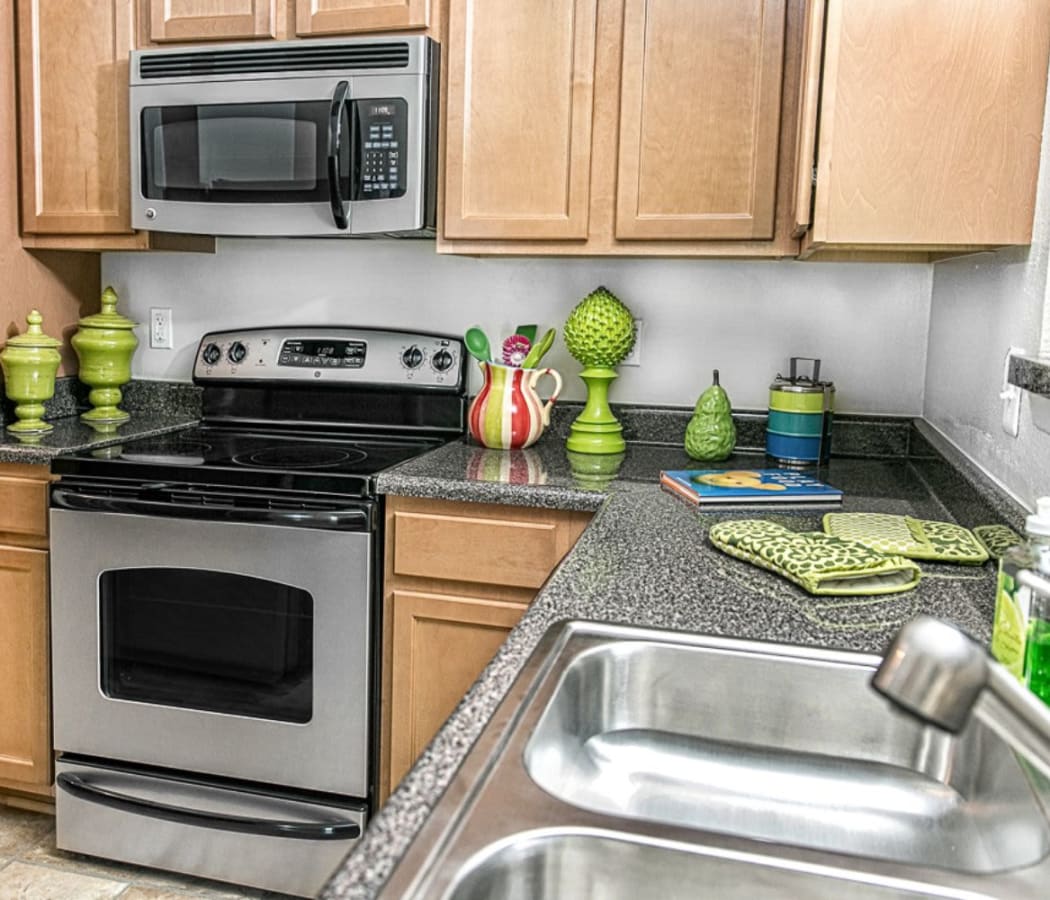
(160,328)
(634,358)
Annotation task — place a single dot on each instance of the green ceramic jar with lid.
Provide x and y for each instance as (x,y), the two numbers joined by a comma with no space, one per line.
(30,362)
(104,343)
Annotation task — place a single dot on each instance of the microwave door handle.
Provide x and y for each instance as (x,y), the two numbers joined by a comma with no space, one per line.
(335,135)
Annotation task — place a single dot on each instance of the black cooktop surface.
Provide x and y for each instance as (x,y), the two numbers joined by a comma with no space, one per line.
(326,462)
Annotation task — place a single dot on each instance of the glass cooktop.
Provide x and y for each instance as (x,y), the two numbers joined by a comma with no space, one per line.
(259,459)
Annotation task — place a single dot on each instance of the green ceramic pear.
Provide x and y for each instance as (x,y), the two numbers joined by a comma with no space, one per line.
(711,435)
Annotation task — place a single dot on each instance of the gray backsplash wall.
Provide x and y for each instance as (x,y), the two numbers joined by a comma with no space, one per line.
(867,322)
(981,305)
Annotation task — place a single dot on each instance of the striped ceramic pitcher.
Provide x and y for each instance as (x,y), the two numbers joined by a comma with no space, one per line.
(507,413)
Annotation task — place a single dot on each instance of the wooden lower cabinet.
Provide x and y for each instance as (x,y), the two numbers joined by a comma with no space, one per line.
(458,577)
(25,723)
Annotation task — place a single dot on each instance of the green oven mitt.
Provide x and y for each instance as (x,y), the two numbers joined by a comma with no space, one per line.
(997,539)
(819,563)
(905,536)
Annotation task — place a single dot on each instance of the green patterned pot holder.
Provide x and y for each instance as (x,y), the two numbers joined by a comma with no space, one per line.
(905,536)
(997,539)
(819,563)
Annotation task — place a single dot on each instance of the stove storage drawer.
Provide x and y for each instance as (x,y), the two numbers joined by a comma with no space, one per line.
(278,842)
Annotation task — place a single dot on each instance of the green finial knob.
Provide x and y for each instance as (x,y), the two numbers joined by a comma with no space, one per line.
(109,301)
(34,320)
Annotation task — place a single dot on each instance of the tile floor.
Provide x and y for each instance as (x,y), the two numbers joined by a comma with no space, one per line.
(32,869)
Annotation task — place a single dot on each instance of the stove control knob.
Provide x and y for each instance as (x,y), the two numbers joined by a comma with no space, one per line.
(443,360)
(412,358)
(211,354)
(237,352)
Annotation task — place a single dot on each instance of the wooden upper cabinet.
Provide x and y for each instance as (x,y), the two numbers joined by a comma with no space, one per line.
(519,110)
(699,118)
(73,68)
(211,20)
(930,125)
(621,127)
(315,17)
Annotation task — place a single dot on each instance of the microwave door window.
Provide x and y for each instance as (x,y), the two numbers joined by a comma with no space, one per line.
(236,153)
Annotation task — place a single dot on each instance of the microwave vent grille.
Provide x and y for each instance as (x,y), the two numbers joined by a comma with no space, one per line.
(296,58)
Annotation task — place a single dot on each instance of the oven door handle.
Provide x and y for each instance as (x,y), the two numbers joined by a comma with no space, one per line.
(306,831)
(348,519)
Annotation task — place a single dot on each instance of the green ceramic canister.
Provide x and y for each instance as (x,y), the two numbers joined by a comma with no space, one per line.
(29,362)
(798,431)
(104,344)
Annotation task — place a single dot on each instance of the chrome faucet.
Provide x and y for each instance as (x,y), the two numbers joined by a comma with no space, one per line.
(934,671)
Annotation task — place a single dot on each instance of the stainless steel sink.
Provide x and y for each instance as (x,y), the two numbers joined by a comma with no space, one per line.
(780,746)
(556,864)
(636,763)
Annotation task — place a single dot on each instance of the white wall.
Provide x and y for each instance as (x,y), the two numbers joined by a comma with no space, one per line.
(981,305)
(867,322)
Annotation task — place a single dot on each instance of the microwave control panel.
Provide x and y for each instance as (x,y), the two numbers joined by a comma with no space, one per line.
(380,134)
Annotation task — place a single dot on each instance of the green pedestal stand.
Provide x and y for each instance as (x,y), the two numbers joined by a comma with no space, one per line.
(596,429)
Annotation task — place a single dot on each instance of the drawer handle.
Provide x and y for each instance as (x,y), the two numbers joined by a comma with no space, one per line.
(309,831)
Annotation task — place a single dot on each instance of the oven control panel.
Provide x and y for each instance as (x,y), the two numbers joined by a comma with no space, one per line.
(333,355)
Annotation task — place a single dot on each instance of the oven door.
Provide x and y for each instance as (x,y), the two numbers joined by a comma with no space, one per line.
(222,647)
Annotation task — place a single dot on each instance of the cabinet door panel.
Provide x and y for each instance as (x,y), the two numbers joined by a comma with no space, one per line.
(440,646)
(699,118)
(345,16)
(931,121)
(519,106)
(25,741)
(210,20)
(74,119)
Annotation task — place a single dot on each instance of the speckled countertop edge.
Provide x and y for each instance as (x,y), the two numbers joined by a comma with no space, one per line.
(645,561)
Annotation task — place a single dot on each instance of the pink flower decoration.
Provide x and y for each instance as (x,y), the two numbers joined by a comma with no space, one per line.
(515,349)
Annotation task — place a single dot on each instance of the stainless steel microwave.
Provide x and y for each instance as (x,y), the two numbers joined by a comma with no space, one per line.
(301,138)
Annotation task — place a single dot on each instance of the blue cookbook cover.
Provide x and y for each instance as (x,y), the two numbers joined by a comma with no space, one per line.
(703,486)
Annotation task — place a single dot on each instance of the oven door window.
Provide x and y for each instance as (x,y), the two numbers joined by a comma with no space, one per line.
(206,640)
(241,153)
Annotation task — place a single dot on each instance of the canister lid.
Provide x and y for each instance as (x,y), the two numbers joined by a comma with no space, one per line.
(109,317)
(34,335)
(803,384)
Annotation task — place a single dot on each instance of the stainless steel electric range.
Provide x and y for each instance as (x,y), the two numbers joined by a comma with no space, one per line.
(215,606)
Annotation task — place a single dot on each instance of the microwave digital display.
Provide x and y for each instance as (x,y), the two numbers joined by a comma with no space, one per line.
(323,354)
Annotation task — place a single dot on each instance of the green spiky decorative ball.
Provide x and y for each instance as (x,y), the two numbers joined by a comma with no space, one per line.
(600,330)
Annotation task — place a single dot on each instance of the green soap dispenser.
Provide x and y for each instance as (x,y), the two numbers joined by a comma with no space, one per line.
(1016,621)
(711,434)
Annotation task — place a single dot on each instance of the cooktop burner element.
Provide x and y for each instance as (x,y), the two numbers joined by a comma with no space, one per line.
(300,457)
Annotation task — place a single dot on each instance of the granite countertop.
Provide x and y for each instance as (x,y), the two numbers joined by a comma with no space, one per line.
(154,408)
(644,560)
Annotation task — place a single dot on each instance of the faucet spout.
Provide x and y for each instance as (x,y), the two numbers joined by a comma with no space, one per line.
(935,672)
